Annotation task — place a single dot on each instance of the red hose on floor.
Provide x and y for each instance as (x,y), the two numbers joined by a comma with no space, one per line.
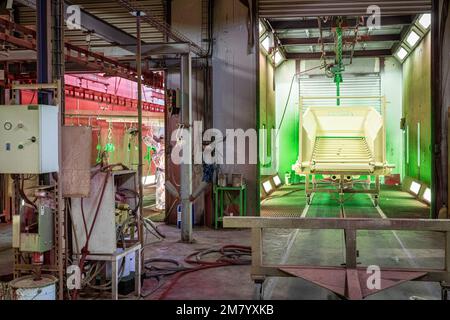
(203,265)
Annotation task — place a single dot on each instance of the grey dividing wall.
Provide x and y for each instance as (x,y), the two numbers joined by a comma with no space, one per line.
(187,18)
(445,87)
(235,85)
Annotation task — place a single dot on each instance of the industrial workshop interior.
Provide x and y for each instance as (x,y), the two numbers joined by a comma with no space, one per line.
(224,150)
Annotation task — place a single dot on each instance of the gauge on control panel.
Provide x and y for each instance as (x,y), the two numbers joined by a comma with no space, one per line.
(8,126)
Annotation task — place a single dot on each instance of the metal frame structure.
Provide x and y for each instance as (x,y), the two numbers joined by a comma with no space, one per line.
(114,260)
(25,38)
(344,281)
(59,251)
(339,178)
(163,27)
(184,52)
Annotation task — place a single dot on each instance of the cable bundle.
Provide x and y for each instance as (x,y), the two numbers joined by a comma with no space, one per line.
(229,255)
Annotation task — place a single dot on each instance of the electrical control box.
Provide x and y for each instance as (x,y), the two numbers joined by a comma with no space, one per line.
(28,139)
(41,240)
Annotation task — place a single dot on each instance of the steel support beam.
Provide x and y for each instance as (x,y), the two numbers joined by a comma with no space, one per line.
(44,49)
(163,27)
(437,172)
(166,48)
(98,26)
(317,55)
(298,8)
(312,41)
(186,168)
(312,23)
(139,107)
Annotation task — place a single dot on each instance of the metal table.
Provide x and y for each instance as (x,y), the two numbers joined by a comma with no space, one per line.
(114,260)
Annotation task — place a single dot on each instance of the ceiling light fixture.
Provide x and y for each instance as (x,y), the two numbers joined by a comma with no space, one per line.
(425,20)
(412,38)
(401,53)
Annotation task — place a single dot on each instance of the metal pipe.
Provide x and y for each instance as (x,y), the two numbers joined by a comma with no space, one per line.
(58,52)
(43,36)
(437,197)
(139,107)
(186,168)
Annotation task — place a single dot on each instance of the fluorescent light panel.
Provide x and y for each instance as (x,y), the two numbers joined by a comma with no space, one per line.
(401,53)
(414,188)
(427,195)
(276,181)
(412,38)
(425,20)
(267,186)
(278,57)
(261,28)
(266,43)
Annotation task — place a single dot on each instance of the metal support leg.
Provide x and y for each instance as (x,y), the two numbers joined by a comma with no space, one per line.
(241,203)
(341,189)
(216,208)
(350,248)
(258,293)
(221,192)
(245,201)
(137,273)
(444,290)
(377,194)
(114,280)
(308,194)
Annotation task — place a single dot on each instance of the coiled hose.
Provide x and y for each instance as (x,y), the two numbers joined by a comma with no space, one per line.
(229,255)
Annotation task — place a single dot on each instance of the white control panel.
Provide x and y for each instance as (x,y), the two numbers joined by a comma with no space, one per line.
(28,139)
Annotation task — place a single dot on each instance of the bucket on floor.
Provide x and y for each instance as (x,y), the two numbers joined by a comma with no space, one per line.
(26,288)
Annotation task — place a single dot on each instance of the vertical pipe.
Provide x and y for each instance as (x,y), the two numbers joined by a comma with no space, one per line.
(43,39)
(58,62)
(139,107)
(255,12)
(186,168)
(58,69)
(436,172)
(338,93)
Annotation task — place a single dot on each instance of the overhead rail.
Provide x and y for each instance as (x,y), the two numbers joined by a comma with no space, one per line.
(25,38)
(163,27)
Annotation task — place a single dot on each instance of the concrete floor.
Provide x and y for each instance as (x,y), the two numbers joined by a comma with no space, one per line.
(6,251)
(401,249)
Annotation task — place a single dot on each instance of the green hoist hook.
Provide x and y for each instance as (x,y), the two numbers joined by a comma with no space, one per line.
(148,156)
(109,147)
(338,68)
(99,148)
